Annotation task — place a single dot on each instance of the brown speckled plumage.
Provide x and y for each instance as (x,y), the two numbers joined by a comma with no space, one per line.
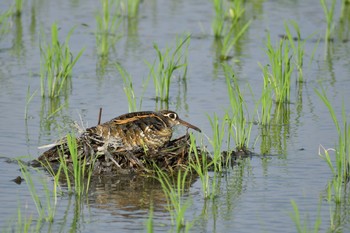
(131,132)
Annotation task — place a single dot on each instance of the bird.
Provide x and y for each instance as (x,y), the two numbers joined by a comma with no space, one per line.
(135,131)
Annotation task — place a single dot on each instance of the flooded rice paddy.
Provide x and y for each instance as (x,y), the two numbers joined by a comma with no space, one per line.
(254,195)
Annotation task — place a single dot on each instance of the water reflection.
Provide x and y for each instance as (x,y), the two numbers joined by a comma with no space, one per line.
(17,43)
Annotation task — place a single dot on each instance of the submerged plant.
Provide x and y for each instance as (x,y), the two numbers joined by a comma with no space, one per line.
(162,70)
(56,65)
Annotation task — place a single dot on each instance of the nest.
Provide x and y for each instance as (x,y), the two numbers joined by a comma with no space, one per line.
(104,159)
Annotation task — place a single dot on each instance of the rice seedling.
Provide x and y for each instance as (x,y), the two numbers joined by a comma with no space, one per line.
(329,14)
(302,226)
(217,140)
(298,48)
(239,127)
(174,187)
(168,62)
(341,168)
(82,168)
(56,65)
(200,165)
(231,38)
(280,69)
(129,89)
(107,26)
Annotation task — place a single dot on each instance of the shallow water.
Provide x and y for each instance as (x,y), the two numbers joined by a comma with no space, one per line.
(255,195)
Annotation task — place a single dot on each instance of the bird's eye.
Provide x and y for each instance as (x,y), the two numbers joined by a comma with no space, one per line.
(172,116)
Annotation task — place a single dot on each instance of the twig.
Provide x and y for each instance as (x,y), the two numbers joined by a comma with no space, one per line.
(99,116)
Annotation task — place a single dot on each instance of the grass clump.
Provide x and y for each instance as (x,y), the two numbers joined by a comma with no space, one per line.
(56,65)
(278,73)
(164,68)
(341,168)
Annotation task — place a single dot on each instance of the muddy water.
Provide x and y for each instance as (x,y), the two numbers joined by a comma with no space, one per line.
(254,196)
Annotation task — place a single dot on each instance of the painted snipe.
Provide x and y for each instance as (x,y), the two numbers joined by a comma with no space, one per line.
(129,132)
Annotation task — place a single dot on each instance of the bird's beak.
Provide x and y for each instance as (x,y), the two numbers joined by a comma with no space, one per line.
(182,122)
